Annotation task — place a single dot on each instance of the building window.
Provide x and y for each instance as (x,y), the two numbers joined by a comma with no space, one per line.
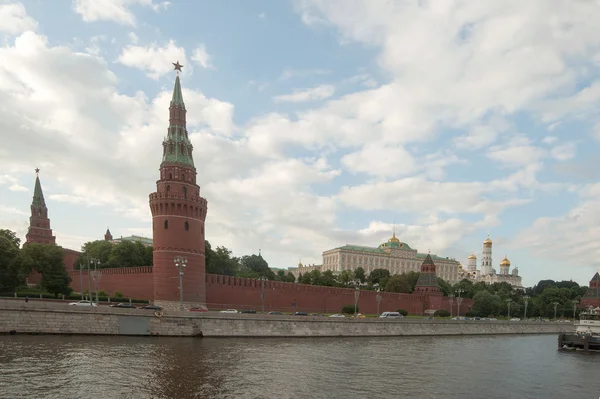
(170,176)
(187,226)
(166,224)
(185,192)
(168,188)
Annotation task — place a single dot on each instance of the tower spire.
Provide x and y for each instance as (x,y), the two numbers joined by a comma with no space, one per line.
(39,223)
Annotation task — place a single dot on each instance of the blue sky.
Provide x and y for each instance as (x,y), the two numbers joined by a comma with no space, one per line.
(314,123)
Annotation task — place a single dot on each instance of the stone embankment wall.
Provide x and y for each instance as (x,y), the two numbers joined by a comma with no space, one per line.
(57,318)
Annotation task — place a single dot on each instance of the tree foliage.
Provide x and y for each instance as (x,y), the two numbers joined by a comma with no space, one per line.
(11,273)
(48,260)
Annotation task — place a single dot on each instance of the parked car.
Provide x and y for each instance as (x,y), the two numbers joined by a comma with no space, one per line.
(300,314)
(229,311)
(197,310)
(82,303)
(275,313)
(252,311)
(337,315)
(391,315)
(125,305)
(151,307)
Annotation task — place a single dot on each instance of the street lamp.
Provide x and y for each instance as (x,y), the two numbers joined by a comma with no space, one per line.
(262,292)
(94,262)
(526,298)
(356,294)
(81,280)
(508,302)
(451,297)
(575,302)
(555,305)
(180,263)
(378,298)
(459,299)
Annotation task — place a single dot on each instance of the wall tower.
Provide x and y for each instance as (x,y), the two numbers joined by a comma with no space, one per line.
(427,282)
(178,215)
(486,257)
(108,236)
(39,223)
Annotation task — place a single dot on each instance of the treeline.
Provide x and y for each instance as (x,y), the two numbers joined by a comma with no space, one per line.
(122,254)
(17,263)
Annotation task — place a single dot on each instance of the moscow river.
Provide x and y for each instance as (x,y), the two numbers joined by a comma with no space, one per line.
(65,367)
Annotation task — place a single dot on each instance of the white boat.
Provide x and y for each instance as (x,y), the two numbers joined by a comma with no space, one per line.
(587,332)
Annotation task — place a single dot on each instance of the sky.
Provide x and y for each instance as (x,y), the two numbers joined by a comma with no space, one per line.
(315,123)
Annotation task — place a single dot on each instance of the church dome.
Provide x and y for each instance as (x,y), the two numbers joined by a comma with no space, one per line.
(472,256)
(505,261)
(299,264)
(394,238)
(487,242)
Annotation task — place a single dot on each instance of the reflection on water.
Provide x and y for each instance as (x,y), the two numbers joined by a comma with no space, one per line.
(432,367)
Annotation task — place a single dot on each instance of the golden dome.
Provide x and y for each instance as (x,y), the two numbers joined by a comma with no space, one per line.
(505,261)
(299,264)
(472,256)
(394,239)
(487,242)
(460,266)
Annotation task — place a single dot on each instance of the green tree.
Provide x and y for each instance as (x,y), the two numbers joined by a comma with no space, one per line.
(445,286)
(359,274)
(345,277)
(11,273)
(486,304)
(377,275)
(48,260)
(398,283)
(328,279)
(468,290)
(222,262)
(412,277)
(256,264)
(290,278)
(98,249)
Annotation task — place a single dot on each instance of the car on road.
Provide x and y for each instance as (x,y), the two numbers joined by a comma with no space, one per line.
(197,310)
(337,315)
(391,315)
(275,313)
(82,303)
(251,311)
(229,311)
(125,305)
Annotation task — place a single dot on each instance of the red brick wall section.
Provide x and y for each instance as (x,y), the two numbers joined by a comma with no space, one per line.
(240,293)
(132,282)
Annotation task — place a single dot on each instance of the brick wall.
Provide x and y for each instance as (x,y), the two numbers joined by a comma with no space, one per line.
(132,282)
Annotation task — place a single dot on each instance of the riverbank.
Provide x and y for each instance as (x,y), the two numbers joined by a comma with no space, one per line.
(57,318)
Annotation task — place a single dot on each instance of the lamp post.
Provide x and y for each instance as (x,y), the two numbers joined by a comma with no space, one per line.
(508,302)
(94,275)
(451,297)
(575,302)
(81,280)
(526,298)
(378,298)
(555,305)
(180,263)
(262,293)
(356,294)
(459,299)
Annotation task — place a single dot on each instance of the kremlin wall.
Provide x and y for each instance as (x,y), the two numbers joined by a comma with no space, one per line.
(178,216)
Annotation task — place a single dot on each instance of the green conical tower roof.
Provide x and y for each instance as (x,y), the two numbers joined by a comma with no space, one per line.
(177,145)
(38,195)
(177,98)
(427,279)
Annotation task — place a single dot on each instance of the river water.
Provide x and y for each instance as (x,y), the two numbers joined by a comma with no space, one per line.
(65,367)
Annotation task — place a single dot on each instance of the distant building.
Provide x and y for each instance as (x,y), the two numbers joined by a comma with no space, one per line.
(393,255)
(144,240)
(487,273)
(592,295)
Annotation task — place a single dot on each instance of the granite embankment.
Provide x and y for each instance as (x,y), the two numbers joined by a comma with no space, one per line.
(57,318)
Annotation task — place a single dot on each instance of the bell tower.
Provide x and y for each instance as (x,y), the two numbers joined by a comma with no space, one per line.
(178,215)
(39,223)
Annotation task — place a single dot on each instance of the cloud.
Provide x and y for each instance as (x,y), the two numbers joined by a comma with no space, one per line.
(12,183)
(289,73)
(155,61)
(14,19)
(113,10)
(563,152)
(262,15)
(518,152)
(133,38)
(302,95)
(201,57)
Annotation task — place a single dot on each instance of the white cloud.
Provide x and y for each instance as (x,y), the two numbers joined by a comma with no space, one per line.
(133,38)
(302,95)
(155,61)
(549,139)
(518,152)
(201,57)
(563,152)
(382,161)
(12,183)
(14,19)
(113,10)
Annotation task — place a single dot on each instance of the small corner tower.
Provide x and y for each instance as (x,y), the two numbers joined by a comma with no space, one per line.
(486,257)
(39,223)
(178,215)
(108,236)
(427,282)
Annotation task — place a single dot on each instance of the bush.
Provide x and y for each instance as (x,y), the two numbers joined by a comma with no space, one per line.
(102,293)
(402,312)
(441,313)
(349,309)
(470,314)
(118,295)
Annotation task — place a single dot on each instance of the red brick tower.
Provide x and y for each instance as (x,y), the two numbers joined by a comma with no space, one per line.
(39,224)
(427,282)
(178,215)
(592,295)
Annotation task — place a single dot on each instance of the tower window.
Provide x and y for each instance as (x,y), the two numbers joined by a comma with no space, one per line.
(187,226)
(170,176)
(166,224)
(168,188)
(185,192)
